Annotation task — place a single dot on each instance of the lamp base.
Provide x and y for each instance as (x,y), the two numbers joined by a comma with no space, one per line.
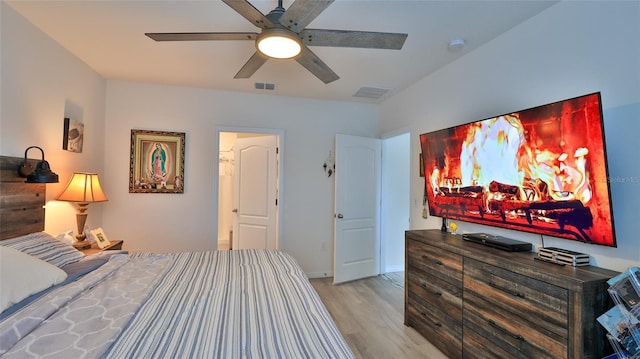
(80,245)
(81,218)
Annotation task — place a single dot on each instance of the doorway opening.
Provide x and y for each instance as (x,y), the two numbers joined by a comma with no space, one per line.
(249,182)
(396,200)
(372,206)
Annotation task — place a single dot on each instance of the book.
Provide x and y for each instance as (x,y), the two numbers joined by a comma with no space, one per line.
(611,319)
(631,271)
(634,274)
(624,291)
(620,324)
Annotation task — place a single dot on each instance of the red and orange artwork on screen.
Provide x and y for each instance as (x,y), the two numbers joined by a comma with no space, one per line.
(541,170)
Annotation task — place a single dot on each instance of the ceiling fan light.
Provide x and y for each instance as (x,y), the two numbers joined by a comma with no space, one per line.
(279,44)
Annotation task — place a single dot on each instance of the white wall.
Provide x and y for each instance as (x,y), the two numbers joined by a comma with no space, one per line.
(41,84)
(571,49)
(170,222)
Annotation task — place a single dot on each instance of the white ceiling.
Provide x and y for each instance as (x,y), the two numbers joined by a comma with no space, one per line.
(109,37)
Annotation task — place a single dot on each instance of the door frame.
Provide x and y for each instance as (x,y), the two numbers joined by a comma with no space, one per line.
(279,133)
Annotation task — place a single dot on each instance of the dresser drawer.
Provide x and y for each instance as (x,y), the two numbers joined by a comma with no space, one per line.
(522,316)
(442,330)
(439,263)
(536,303)
(490,332)
(438,293)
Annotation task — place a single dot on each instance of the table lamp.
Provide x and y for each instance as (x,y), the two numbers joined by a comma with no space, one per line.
(83,188)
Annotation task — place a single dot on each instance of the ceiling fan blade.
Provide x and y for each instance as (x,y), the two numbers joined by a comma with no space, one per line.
(249,12)
(345,38)
(201,36)
(251,66)
(302,12)
(316,66)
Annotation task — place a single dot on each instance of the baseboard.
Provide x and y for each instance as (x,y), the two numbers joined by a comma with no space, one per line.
(312,275)
(391,269)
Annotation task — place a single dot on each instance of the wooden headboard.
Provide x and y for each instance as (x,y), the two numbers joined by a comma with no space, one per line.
(21,204)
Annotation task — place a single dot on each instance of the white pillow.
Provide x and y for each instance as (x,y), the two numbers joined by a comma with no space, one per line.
(66,237)
(22,275)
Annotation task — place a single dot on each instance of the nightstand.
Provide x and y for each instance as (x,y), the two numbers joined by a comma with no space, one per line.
(115,245)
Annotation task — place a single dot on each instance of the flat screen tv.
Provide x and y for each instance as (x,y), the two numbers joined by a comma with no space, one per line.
(541,170)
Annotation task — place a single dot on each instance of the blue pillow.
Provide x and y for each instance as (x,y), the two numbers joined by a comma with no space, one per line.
(45,247)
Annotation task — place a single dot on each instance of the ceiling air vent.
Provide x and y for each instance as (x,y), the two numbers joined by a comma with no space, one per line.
(371,92)
(264,86)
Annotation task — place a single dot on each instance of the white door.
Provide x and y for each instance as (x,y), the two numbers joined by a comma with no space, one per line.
(255,193)
(357,208)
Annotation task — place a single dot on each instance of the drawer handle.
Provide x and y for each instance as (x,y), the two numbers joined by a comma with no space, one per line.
(424,285)
(513,293)
(495,325)
(438,262)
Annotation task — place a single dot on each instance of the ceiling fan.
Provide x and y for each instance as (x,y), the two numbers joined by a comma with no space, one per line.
(287,28)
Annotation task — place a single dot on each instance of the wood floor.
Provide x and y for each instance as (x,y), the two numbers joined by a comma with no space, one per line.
(370,314)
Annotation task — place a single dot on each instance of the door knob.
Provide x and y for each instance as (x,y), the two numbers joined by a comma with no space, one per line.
(235,210)
(340,215)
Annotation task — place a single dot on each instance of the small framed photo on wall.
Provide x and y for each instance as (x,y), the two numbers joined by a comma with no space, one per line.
(157,162)
(73,135)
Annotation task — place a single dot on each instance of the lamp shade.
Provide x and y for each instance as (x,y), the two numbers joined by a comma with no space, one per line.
(84,188)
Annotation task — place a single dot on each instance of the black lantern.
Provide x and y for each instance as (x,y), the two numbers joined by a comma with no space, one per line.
(41,174)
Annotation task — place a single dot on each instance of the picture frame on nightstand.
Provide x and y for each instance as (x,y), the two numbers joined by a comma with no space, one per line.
(100,237)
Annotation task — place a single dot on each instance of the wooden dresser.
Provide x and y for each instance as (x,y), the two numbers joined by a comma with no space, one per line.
(473,301)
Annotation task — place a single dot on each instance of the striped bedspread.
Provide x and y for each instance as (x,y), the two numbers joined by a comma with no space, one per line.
(223,304)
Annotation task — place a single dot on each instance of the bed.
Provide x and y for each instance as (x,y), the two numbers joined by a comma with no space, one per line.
(217,304)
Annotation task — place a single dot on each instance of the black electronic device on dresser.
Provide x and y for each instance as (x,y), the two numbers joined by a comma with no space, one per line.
(507,244)
(474,301)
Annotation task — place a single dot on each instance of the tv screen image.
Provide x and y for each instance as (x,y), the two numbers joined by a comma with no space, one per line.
(541,170)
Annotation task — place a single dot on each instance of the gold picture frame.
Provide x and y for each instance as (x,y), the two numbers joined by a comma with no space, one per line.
(157,162)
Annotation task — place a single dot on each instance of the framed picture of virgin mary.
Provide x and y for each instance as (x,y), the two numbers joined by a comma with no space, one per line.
(157,162)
